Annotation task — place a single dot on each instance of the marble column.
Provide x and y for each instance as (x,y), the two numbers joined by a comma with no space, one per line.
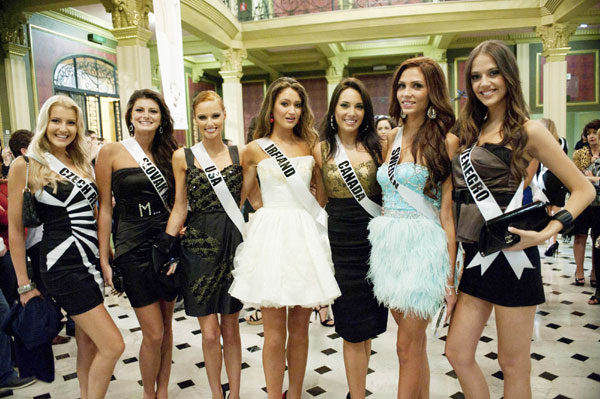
(231,72)
(335,73)
(439,56)
(131,30)
(555,39)
(14,45)
(523,63)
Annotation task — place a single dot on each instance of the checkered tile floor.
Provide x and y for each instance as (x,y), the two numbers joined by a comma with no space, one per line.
(565,353)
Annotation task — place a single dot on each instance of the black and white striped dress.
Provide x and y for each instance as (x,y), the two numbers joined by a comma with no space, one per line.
(69,248)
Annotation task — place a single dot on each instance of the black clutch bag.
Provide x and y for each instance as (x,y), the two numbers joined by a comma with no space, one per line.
(165,252)
(495,236)
(30,216)
(117,279)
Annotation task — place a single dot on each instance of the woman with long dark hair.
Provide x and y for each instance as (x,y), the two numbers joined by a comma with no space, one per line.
(284,265)
(138,171)
(69,254)
(348,126)
(497,143)
(414,251)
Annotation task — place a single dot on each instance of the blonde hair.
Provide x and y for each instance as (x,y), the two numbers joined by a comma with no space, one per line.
(40,173)
(551,126)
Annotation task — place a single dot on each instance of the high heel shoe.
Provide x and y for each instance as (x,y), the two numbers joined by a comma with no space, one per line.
(327,321)
(579,282)
(552,250)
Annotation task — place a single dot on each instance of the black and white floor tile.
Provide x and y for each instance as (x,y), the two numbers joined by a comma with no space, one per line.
(565,353)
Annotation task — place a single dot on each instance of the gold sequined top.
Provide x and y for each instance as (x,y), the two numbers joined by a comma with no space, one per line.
(334,184)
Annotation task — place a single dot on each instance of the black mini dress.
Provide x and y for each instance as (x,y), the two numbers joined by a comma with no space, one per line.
(499,284)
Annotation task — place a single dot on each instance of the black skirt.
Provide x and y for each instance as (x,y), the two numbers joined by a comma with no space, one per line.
(358,316)
(207,252)
(499,284)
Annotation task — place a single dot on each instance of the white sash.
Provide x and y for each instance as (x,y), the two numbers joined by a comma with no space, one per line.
(490,209)
(85,188)
(218,184)
(150,170)
(295,182)
(352,182)
(415,200)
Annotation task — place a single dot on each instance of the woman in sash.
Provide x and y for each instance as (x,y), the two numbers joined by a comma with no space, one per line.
(497,142)
(69,253)
(358,316)
(413,256)
(284,265)
(210,240)
(138,171)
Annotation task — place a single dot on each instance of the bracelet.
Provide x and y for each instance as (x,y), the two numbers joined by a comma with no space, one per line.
(26,288)
(564,217)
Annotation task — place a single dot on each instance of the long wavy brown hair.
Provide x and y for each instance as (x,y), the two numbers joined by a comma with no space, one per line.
(164,143)
(429,144)
(473,115)
(305,127)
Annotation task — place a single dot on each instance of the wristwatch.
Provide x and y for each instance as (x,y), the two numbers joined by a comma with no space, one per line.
(26,288)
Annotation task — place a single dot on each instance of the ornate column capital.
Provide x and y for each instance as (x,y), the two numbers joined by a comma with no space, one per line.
(132,36)
(126,13)
(335,69)
(12,31)
(231,65)
(555,39)
(436,54)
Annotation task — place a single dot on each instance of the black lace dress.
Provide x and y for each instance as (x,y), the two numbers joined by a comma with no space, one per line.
(209,244)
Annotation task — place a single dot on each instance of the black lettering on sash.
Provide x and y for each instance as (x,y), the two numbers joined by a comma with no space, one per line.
(351,181)
(284,164)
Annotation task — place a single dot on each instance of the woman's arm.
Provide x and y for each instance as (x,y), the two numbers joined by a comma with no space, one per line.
(321,193)
(180,210)
(104,163)
(543,147)
(250,189)
(16,231)
(447,222)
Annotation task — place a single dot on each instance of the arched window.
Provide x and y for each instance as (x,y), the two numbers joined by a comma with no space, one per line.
(92,83)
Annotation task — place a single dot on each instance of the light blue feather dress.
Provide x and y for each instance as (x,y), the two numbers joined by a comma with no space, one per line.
(409,264)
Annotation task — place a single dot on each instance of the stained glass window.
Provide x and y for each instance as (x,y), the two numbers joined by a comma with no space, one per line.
(87,74)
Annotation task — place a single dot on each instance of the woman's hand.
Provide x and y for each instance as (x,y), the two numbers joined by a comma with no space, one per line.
(450,299)
(24,298)
(529,238)
(172,268)
(107,274)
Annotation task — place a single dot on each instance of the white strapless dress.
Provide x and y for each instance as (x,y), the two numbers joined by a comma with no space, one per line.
(285,260)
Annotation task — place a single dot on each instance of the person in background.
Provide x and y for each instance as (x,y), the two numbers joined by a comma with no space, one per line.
(586,159)
(553,188)
(94,144)
(383,125)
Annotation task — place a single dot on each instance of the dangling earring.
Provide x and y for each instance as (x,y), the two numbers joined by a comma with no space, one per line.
(402,114)
(332,123)
(365,128)
(271,119)
(431,112)
(131,129)
(160,129)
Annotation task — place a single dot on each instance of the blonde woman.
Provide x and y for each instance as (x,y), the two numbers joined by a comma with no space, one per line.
(61,177)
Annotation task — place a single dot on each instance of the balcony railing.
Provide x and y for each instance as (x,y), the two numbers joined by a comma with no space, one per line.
(254,10)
